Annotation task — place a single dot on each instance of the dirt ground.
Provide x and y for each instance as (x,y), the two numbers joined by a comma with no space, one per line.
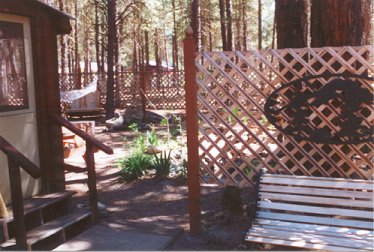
(159,204)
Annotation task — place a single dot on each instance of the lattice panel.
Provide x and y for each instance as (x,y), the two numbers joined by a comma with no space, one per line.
(164,90)
(236,139)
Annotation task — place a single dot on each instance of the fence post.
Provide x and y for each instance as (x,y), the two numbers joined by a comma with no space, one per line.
(143,91)
(192,132)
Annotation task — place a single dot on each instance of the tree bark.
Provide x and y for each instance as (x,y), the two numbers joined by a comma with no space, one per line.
(110,105)
(175,39)
(230,42)
(340,22)
(244,21)
(77,68)
(259,23)
(156,49)
(222,18)
(146,46)
(97,44)
(62,44)
(291,26)
(196,22)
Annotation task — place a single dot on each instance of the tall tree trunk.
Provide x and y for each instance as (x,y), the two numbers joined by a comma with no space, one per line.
(156,49)
(222,18)
(103,49)
(259,24)
(70,58)
(146,46)
(97,44)
(196,22)
(230,42)
(165,48)
(62,44)
(291,26)
(340,22)
(77,68)
(239,36)
(110,105)
(175,40)
(134,52)
(244,21)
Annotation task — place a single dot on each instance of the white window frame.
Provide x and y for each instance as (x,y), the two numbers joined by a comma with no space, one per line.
(25,21)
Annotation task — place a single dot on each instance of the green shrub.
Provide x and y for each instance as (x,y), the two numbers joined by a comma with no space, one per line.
(134,127)
(231,200)
(162,164)
(134,166)
(152,138)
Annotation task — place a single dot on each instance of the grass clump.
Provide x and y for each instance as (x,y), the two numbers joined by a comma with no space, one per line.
(162,164)
(134,166)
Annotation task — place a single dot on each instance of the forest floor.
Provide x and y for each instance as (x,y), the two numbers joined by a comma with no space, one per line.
(151,203)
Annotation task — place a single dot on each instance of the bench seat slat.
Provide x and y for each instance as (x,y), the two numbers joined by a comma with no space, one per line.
(316,210)
(318,178)
(317,228)
(317,191)
(309,231)
(316,220)
(318,200)
(309,238)
(318,183)
(298,244)
(314,213)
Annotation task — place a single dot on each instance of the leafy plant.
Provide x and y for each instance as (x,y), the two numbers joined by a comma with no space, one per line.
(134,127)
(152,138)
(162,164)
(231,200)
(140,144)
(235,112)
(134,166)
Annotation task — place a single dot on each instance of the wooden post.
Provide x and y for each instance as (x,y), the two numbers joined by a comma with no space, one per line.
(143,91)
(91,181)
(192,133)
(17,204)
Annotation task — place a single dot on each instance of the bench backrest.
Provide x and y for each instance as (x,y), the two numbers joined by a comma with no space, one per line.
(313,200)
(89,101)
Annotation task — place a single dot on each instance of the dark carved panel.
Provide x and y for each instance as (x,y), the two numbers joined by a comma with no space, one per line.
(328,109)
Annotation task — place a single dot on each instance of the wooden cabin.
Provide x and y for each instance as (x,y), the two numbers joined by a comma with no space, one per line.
(30,122)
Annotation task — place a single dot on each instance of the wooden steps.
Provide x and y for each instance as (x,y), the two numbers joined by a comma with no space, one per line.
(49,221)
(40,202)
(54,233)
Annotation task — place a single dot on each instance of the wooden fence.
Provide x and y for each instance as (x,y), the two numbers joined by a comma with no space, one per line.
(163,90)
(235,138)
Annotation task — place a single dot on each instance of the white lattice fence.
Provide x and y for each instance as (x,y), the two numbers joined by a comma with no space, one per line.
(236,140)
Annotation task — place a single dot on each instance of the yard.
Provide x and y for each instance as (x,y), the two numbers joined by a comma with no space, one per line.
(152,203)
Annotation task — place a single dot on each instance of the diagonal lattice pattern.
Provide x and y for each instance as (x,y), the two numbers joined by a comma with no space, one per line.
(163,90)
(236,140)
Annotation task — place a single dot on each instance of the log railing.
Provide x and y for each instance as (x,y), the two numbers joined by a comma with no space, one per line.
(17,160)
(91,144)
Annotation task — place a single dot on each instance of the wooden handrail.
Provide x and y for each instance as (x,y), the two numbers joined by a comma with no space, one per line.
(88,138)
(19,158)
(91,144)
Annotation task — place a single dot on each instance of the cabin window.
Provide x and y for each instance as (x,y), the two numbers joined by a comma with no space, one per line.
(13,78)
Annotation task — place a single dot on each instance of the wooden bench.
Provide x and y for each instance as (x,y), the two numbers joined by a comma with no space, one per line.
(313,213)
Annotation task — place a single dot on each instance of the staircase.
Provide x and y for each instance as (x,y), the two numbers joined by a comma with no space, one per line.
(50,221)
(46,221)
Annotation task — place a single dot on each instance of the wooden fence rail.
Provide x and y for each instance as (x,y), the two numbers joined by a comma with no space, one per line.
(235,137)
(162,89)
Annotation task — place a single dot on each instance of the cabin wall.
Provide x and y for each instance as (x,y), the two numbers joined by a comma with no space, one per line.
(45,25)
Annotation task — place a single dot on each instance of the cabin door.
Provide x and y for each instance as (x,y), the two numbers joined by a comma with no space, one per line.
(18,124)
